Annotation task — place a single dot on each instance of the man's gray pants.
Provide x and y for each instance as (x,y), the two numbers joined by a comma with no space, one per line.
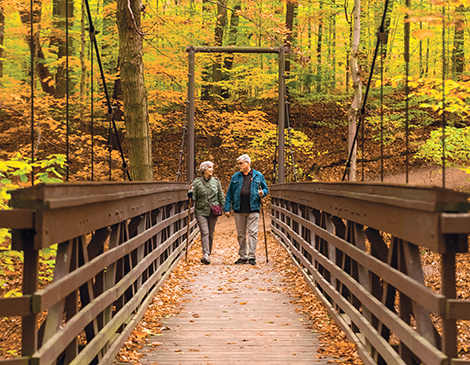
(206,227)
(247,223)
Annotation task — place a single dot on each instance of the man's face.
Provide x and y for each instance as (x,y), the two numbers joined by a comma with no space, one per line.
(244,167)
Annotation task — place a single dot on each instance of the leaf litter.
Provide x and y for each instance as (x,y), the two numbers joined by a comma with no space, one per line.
(169,299)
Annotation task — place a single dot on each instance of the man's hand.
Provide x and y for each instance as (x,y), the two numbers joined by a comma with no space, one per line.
(260,192)
(227,214)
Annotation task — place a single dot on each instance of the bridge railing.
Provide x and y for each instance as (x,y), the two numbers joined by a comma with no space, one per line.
(117,242)
(360,245)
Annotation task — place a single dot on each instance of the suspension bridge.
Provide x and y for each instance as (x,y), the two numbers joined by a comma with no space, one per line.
(357,245)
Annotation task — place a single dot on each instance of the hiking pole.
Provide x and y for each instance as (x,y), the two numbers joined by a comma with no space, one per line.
(187,234)
(264,229)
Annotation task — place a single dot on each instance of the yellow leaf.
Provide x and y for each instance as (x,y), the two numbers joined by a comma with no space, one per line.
(423,33)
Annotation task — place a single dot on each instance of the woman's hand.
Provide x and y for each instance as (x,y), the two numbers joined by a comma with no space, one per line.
(260,192)
(227,214)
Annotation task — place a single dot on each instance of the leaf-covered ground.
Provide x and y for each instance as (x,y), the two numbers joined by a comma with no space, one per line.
(168,301)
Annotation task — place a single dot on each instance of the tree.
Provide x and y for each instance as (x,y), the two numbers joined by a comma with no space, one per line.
(291,12)
(2,37)
(319,48)
(206,90)
(332,56)
(218,41)
(134,93)
(232,41)
(59,41)
(458,51)
(34,42)
(357,86)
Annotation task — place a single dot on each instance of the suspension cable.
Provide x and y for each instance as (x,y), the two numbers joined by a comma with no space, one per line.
(275,162)
(110,149)
(362,151)
(32,89)
(407,90)
(111,116)
(186,121)
(286,104)
(67,123)
(443,122)
(369,82)
(92,112)
(381,112)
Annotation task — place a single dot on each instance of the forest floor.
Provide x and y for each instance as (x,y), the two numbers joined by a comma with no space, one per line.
(455,178)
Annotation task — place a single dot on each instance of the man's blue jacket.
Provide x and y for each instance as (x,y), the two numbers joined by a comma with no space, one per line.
(234,190)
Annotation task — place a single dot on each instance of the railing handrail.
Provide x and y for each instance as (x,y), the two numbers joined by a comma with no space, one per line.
(117,244)
(358,245)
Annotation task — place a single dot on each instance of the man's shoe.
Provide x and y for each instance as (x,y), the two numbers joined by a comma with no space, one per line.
(241,261)
(205,261)
(252,261)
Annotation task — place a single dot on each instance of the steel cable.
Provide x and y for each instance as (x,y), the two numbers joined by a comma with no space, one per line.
(32,89)
(67,123)
(186,121)
(92,32)
(369,82)
(443,122)
(286,104)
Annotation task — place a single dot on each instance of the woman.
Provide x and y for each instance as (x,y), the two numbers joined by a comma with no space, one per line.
(206,191)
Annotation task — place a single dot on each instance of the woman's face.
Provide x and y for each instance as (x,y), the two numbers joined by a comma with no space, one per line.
(208,172)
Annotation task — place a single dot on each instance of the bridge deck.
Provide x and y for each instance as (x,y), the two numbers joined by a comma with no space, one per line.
(235,313)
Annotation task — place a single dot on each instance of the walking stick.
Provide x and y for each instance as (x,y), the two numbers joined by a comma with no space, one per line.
(187,234)
(264,229)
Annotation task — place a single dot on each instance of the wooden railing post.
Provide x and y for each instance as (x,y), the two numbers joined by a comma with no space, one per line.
(449,327)
(29,339)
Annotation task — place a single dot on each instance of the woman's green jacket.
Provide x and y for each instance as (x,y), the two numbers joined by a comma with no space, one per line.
(199,195)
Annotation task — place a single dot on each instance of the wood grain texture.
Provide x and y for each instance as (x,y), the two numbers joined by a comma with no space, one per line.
(236,314)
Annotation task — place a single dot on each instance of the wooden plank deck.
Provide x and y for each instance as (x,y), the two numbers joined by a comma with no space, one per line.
(235,313)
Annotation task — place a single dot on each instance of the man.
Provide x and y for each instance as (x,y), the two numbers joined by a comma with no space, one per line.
(244,194)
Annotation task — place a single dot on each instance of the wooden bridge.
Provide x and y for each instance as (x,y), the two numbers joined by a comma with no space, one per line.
(358,246)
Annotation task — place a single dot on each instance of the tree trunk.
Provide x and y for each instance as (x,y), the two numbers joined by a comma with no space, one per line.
(291,13)
(333,52)
(109,57)
(133,89)
(44,75)
(458,52)
(307,87)
(421,53)
(206,87)
(357,86)
(2,37)
(388,20)
(218,41)
(319,48)
(83,68)
(58,40)
(232,41)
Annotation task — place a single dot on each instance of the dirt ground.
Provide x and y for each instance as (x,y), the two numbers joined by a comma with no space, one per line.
(455,178)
